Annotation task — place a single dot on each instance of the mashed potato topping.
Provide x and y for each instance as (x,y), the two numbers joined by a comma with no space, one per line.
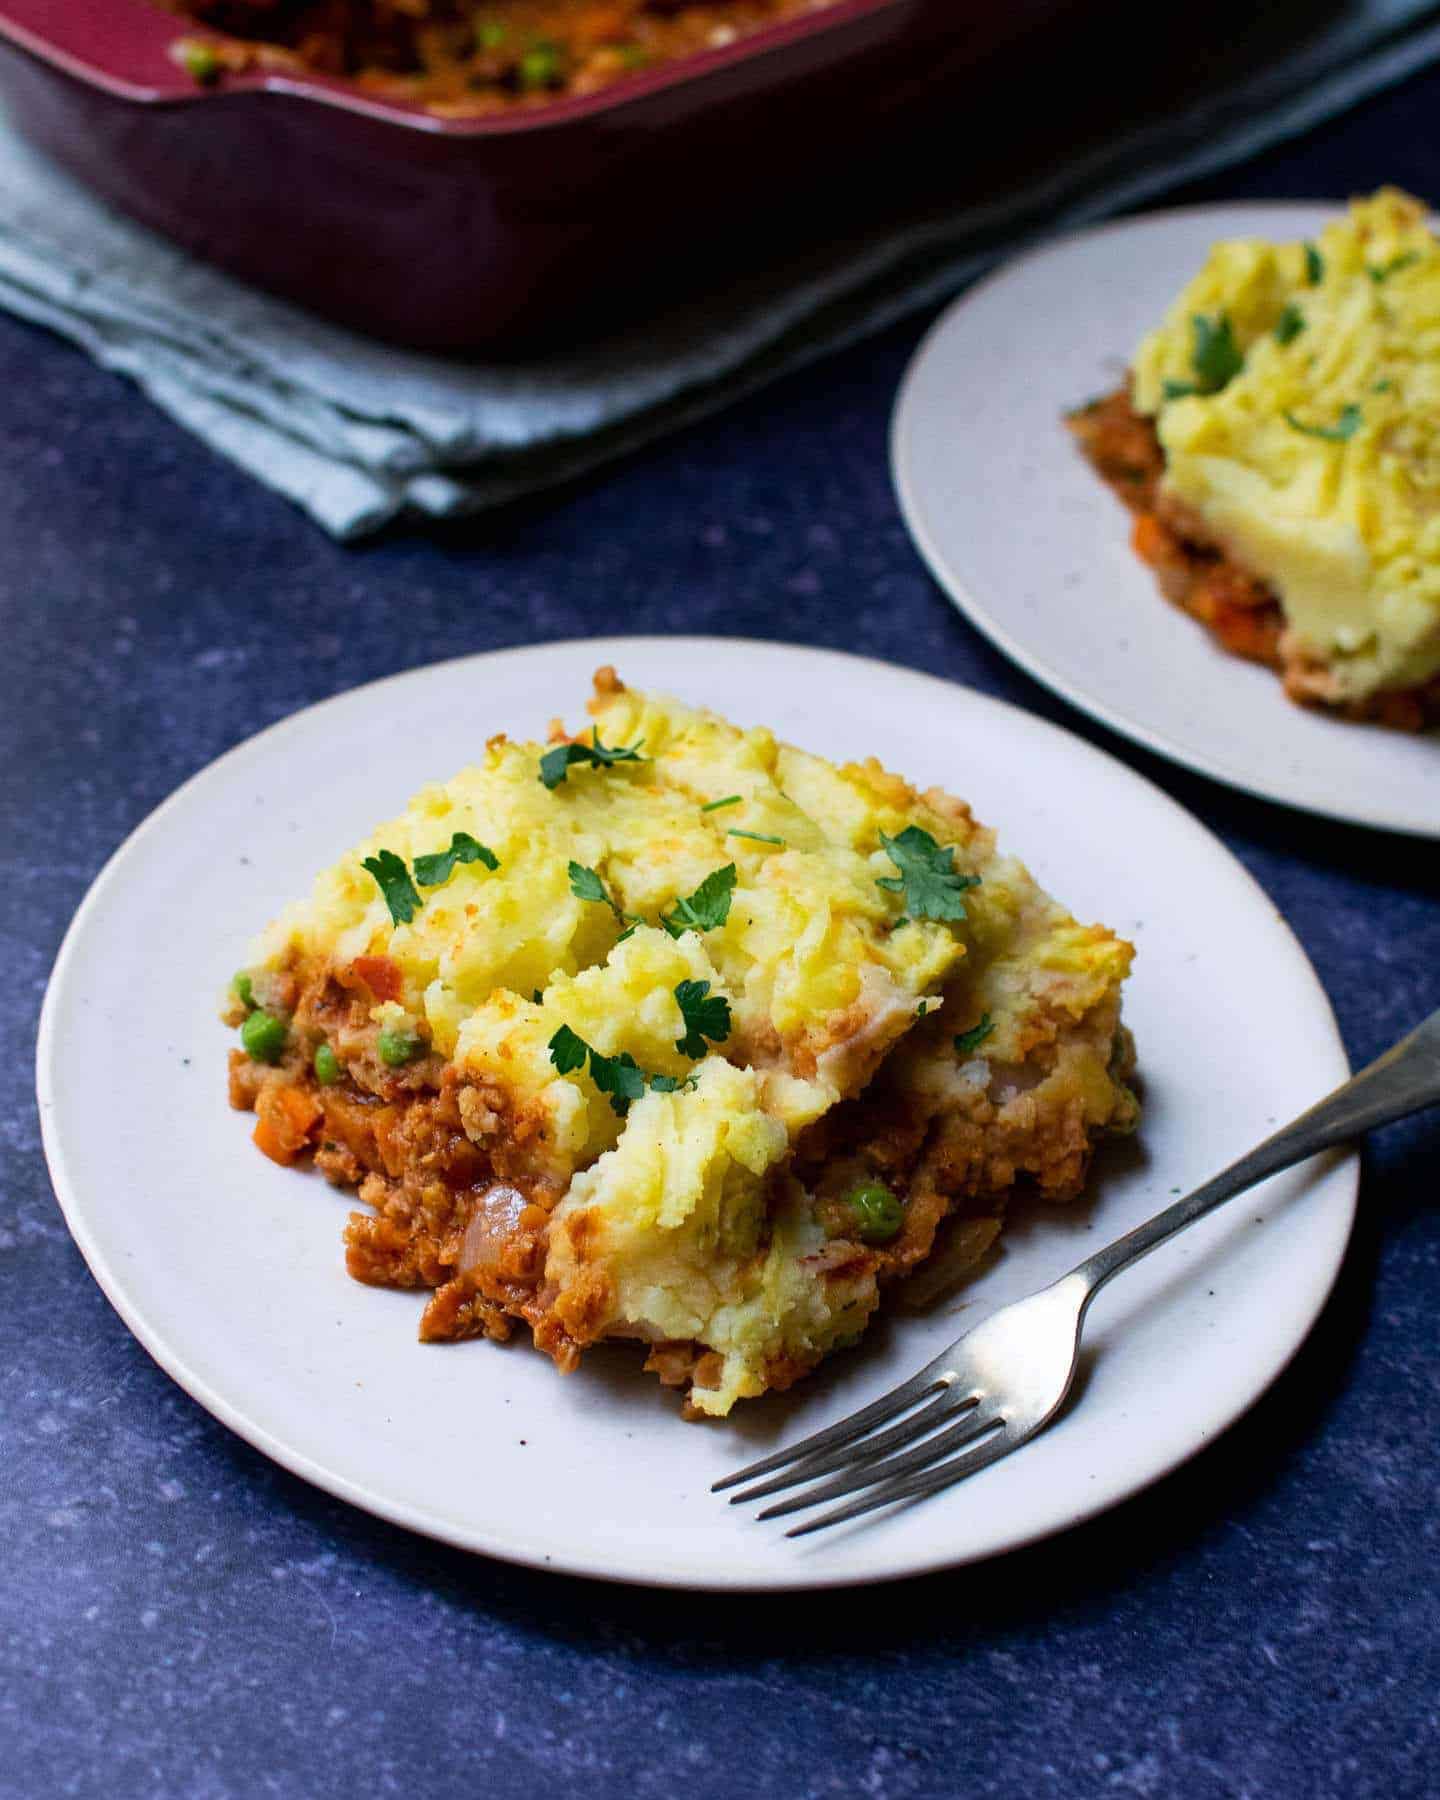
(1295,390)
(580,1031)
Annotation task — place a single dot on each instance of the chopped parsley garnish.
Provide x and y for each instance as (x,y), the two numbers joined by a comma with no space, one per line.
(1314,266)
(555,764)
(490,34)
(672,1084)
(538,996)
(705,1015)
(715,805)
(568,1051)
(971,1040)
(1289,325)
(620,1078)
(1383,387)
(1405,260)
(430,871)
(1344,428)
(904,919)
(393,880)
(1215,356)
(707,908)
(1178,390)
(585,884)
(927,878)
(759,837)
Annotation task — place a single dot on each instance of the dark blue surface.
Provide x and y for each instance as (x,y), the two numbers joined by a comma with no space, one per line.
(178,1618)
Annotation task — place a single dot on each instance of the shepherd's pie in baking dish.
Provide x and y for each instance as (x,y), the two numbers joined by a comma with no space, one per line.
(672,1032)
(1278,441)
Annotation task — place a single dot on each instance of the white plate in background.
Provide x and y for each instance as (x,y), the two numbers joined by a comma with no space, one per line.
(1034,549)
(229,1269)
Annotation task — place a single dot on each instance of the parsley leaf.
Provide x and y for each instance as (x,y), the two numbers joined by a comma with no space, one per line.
(430,871)
(1215,356)
(555,764)
(703,1018)
(1289,325)
(1405,260)
(759,837)
(975,1036)
(927,878)
(568,1051)
(1178,390)
(672,1084)
(707,908)
(715,805)
(1350,420)
(585,884)
(393,880)
(1314,266)
(620,1078)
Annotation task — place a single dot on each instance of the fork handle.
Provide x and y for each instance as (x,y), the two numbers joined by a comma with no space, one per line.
(1403,1080)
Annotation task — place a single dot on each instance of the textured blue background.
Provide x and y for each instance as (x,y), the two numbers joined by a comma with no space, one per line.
(178,1618)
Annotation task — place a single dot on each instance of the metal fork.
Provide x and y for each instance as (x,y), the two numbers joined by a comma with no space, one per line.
(1002,1382)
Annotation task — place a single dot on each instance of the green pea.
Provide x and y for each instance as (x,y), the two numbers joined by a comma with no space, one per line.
(490,34)
(199,60)
(242,989)
(327,1066)
(396,1048)
(540,65)
(263,1036)
(878,1213)
(636,56)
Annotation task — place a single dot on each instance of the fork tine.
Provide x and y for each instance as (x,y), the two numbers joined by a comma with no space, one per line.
(976,1423)
(918,1486)
(939,1408)
(846,1430)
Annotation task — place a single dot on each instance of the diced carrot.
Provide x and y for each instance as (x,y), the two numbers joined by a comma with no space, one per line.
(1244,632)
(1152,541)
(381,975)
(284,1120)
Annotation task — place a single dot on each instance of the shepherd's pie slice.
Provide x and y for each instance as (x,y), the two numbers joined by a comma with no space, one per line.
(1278,442)
(579,1024)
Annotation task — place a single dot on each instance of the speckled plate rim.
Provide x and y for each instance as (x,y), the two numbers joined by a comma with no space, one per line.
(1335,1185)
(985,609)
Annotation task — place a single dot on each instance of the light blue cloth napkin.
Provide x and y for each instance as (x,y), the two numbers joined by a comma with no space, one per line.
(359,433)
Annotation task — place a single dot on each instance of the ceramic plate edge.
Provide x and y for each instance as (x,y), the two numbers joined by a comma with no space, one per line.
(416,1519)
(987,623)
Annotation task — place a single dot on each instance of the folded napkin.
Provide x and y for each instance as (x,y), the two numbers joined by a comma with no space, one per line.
(359,433)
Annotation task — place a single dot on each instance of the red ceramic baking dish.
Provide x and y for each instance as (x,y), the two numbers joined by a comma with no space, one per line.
(504,230)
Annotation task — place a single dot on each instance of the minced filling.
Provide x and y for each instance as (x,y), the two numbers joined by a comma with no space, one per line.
(674,1033)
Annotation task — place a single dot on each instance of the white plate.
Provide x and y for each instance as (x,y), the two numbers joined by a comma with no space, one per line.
(1035,550)
(229,1270)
